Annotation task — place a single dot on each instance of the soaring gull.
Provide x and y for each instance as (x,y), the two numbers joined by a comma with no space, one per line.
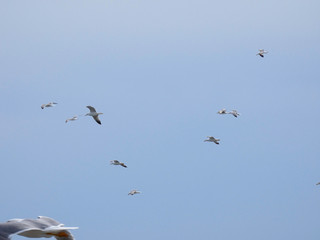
(132,192)
(234,113)
(116,162)
(72,119)
(212,139)
(93,113)
(261,52)
(222,111)
(50,104)
(35,228)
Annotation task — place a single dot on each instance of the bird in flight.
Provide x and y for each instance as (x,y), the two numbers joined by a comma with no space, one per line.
(261,52)
(93,113)
(318,183)
(234,113)
(212,139)
(222,111)
(50,104)
(133,192)
(42,227)
(116,162)
(72,119)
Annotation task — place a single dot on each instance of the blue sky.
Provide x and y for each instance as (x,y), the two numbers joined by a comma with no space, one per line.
(159,71)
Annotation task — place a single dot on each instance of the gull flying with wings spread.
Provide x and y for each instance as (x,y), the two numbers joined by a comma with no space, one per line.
(93,113)
(35,228)
(212,139)
(116,162)
(50,104)
(261,52)
(133,192)
(72,119)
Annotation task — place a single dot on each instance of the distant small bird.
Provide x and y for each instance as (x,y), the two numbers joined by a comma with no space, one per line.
(261,52)
(212,139)
(72,119)
(93,114)
(234,113)
(116,162)
(318,183)
(51,104)
(133,192)
(222,111)
(42,227)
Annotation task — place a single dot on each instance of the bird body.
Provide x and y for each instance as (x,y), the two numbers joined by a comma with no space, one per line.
(50,104)
(93,113)
(212,139)
(116,162)
(35,228)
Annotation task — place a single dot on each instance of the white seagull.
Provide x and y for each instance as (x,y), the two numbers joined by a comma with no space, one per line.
(35,228)
(234,113)
(94,114)
(133,192)
(116,162)
(261,52)
(222,111)
(72,119)
(50,104)
(212,139)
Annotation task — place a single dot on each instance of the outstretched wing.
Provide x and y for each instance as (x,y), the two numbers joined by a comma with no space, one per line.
(91,109)
(123,165)
(97,119)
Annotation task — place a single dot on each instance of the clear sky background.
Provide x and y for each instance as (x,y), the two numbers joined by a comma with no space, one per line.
(160,71)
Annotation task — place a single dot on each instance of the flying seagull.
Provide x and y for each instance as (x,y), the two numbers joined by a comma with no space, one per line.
(116,162)
(35,228)
(94,114)
(212,139)
(132,192)
(261,52)
(234,113)
(50,104)
(72,119)
(222,111)
(318,183)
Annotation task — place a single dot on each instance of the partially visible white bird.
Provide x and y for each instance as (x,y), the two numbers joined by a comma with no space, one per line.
(261,52)
(116,162)
(93,113)
(50,104)
(318,183)
(212,139)
(35,228)
(133,192)
(72,119)
(222,111)
(234,113)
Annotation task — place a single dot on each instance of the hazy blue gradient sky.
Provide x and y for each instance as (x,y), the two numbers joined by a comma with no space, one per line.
(159,71)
